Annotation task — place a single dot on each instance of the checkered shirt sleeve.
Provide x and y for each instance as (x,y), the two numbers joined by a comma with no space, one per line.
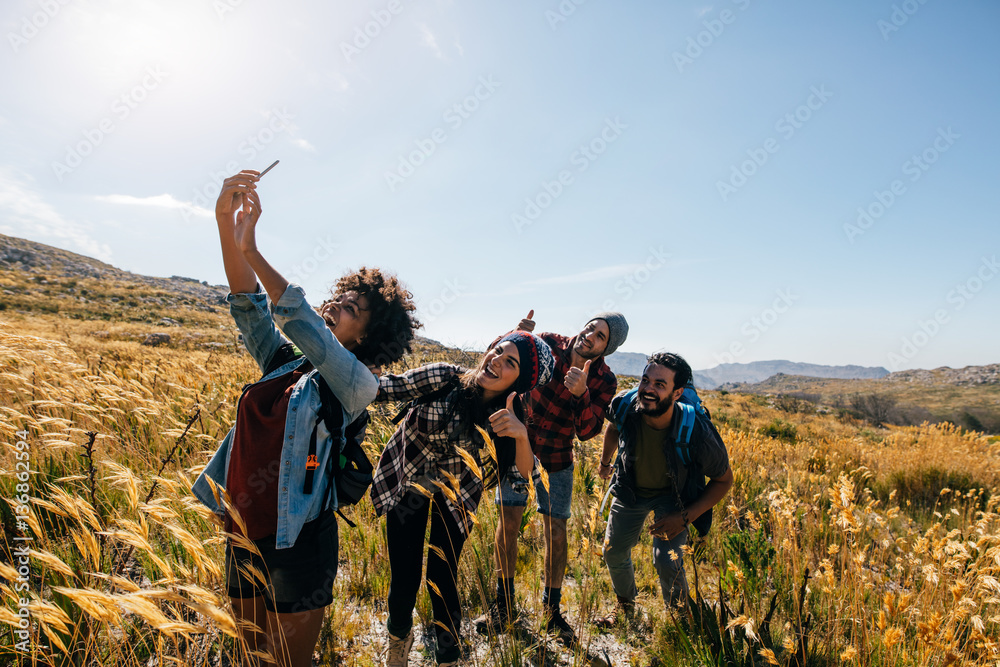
(421,451)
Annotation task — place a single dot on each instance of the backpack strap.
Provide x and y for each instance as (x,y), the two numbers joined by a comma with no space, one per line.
(334,424)
(285,353)
(684,431)
(624,406)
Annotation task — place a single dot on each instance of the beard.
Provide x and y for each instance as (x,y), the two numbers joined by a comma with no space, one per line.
(586,353)
(658,409)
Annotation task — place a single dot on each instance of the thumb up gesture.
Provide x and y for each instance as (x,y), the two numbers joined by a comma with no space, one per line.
(505,423)
(576,379)
(527,324)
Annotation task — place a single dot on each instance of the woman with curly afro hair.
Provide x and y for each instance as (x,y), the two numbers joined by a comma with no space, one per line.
(279,507)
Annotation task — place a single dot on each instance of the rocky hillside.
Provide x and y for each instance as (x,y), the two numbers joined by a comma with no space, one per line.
(967,396)
(42,265)
(961,377)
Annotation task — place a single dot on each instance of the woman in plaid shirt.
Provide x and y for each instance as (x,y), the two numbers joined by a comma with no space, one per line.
(435,455)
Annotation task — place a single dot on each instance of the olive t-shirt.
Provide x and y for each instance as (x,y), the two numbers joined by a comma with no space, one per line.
(652,476)
(654,467)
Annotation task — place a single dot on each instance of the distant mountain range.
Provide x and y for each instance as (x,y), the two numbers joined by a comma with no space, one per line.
(631,363)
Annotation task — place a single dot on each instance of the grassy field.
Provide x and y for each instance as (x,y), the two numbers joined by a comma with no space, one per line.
(840,543)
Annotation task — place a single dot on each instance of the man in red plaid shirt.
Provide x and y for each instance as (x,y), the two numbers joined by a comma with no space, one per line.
(571,405)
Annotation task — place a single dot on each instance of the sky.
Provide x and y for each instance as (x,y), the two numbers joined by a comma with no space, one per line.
(744,180)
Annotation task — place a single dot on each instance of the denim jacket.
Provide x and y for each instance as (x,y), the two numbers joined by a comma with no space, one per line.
(350,380)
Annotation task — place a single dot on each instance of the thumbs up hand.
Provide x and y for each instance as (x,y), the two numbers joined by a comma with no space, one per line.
(505,423)
(576,379)
(527,324)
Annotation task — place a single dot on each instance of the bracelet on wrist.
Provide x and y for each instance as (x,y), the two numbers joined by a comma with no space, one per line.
(605,465)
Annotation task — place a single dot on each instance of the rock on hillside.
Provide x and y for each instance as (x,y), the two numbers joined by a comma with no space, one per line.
(968,376)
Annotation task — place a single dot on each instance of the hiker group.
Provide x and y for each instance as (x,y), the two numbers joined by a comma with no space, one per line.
(508,424)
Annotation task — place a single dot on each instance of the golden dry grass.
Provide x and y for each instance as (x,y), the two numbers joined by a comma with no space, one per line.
(838,543)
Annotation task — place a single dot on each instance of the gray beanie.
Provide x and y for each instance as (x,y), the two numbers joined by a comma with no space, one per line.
(617,330)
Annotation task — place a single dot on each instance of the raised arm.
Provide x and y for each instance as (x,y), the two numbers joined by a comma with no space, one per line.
(415,382)
(245,235)
(230,208)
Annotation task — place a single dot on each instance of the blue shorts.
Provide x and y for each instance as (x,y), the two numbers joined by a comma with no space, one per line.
(554,503)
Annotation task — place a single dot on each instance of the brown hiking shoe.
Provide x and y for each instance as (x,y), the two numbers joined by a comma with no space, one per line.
(622,616)
(398,650)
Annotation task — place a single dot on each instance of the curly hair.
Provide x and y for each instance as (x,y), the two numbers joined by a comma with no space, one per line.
(390,331)
(675,362)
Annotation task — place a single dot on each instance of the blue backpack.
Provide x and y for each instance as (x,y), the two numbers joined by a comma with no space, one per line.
(690,406)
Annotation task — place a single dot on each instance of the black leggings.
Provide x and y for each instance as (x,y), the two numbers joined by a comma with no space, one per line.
(405,528)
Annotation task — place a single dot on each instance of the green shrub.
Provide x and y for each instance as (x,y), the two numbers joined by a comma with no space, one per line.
(779,430)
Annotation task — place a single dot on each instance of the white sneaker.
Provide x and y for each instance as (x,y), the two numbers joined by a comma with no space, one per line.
(399,650)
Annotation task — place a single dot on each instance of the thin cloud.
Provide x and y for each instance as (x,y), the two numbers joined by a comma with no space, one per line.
(458,45)
(304,145)
(594,275)
(430,41)
(27,215)
(157,201)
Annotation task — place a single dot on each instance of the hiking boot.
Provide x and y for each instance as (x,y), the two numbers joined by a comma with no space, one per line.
(398,652)
(557,624)
(622,616)
(496,620)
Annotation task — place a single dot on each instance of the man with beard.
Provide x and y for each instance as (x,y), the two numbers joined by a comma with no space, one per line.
(573,404)
(650,477)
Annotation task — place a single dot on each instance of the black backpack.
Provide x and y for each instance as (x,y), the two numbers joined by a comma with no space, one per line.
(351,470)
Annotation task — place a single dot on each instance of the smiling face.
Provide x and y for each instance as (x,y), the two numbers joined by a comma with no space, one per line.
(656,391)
(593,340)
(499,370)
(347,315)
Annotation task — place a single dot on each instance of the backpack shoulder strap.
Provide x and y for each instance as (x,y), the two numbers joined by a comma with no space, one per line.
(285,353)
(624,407)
(334,420)
(684,431)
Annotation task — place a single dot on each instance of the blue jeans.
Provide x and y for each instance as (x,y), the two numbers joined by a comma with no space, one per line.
(625,525)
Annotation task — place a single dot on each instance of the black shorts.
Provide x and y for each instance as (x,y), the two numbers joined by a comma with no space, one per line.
(299,578)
